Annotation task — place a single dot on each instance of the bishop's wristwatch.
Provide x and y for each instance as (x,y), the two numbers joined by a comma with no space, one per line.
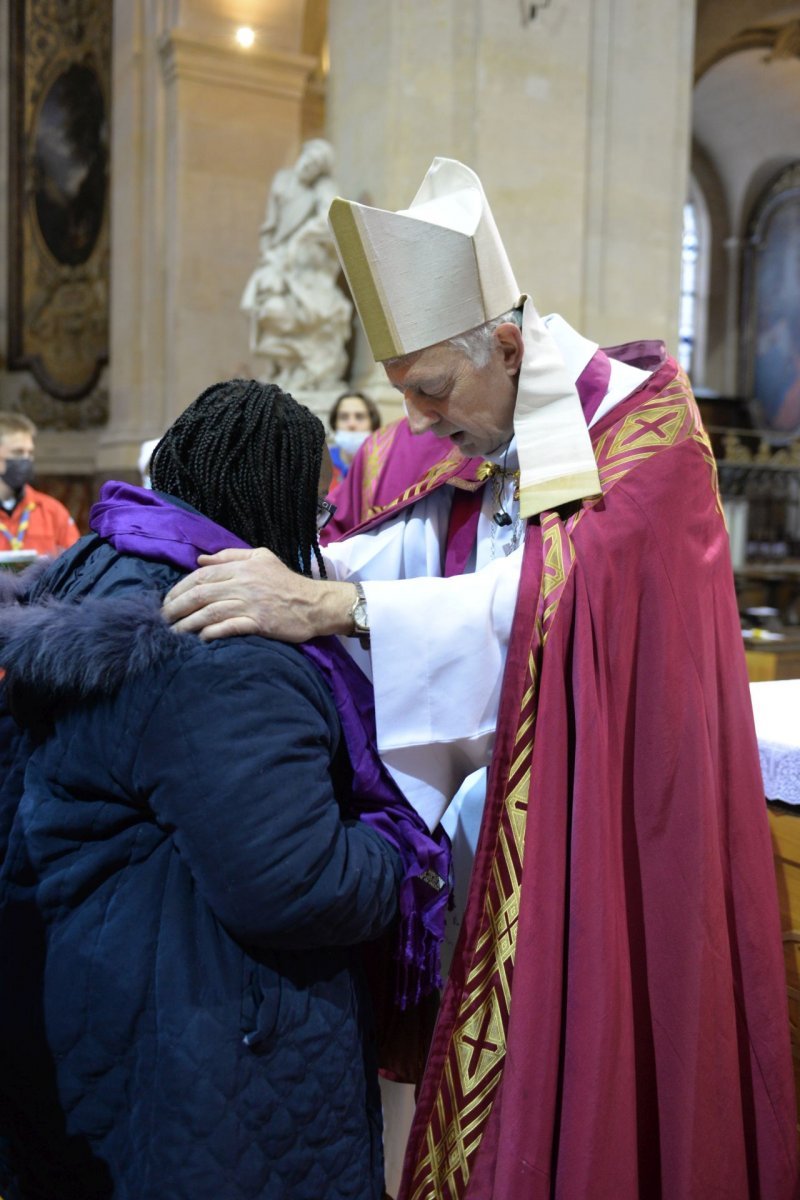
(359,616)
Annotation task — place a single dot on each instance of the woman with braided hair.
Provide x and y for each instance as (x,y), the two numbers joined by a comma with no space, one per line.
(203,840)
(250,458)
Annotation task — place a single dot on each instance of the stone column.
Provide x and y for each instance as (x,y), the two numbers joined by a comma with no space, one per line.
(137,239)
(200,128)
(576,120)
(733,271)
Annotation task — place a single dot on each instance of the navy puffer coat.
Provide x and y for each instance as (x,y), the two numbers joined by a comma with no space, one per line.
(182,1013)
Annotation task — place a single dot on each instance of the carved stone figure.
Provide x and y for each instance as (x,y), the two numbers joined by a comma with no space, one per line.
(299,318)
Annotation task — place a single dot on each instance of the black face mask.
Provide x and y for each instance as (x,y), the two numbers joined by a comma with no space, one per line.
(18,472)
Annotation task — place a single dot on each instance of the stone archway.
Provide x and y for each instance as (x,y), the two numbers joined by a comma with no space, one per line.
(727,27)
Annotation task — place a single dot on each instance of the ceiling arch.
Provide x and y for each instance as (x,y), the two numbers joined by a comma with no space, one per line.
(725,27)
(746,118)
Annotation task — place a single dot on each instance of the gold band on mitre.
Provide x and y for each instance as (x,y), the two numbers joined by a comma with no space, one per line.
(429,272)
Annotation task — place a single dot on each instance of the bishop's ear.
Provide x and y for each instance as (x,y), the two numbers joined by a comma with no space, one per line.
(508,337)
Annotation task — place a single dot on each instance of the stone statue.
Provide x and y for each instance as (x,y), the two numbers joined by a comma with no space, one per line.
(299,319)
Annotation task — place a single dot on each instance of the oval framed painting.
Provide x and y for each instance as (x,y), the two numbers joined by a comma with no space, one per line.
(70,164)
(771,343)
(59,194)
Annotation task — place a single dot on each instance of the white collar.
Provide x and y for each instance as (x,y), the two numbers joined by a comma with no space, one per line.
(578,351)
(557,464)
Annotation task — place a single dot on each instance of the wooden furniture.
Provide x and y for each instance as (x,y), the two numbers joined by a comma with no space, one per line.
(773,660)
(784,824)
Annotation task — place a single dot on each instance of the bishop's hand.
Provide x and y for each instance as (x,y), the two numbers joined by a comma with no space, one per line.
(238,592)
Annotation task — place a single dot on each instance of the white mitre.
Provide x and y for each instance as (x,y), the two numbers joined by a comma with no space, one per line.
(438,269)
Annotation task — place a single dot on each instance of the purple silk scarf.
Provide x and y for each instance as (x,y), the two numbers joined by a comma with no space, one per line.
(150,526)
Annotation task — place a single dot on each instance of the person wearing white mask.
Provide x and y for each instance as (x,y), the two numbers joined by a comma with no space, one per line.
(615,1019)
(352,419)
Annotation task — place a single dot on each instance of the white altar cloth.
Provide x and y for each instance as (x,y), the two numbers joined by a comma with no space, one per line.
(776,707)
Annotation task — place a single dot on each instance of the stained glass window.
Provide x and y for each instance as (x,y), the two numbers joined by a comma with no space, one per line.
(687,322)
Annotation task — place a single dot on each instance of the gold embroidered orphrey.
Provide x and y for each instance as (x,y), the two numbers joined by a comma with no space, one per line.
(473,1064)
(377,454)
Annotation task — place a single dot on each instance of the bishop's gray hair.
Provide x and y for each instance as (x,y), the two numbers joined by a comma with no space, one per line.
(477,343)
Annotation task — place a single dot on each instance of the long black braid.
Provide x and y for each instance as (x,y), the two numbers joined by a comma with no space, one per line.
(248,456)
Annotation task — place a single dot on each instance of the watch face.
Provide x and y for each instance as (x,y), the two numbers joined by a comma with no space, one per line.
(360,616)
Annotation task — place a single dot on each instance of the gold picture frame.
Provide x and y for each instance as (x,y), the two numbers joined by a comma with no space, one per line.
(59,192)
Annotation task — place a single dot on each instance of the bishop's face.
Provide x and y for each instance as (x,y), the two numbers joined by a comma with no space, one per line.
(448,394)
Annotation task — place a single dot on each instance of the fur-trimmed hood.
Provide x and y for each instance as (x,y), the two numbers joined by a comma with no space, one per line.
(56,649)
(81,625)
(67,650)
(16,586)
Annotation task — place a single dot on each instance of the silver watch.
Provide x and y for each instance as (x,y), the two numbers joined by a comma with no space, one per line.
(359,615)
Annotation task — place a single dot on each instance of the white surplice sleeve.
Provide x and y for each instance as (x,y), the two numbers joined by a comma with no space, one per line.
(438,649)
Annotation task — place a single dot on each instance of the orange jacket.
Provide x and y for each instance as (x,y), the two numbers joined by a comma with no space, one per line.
(50,528)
